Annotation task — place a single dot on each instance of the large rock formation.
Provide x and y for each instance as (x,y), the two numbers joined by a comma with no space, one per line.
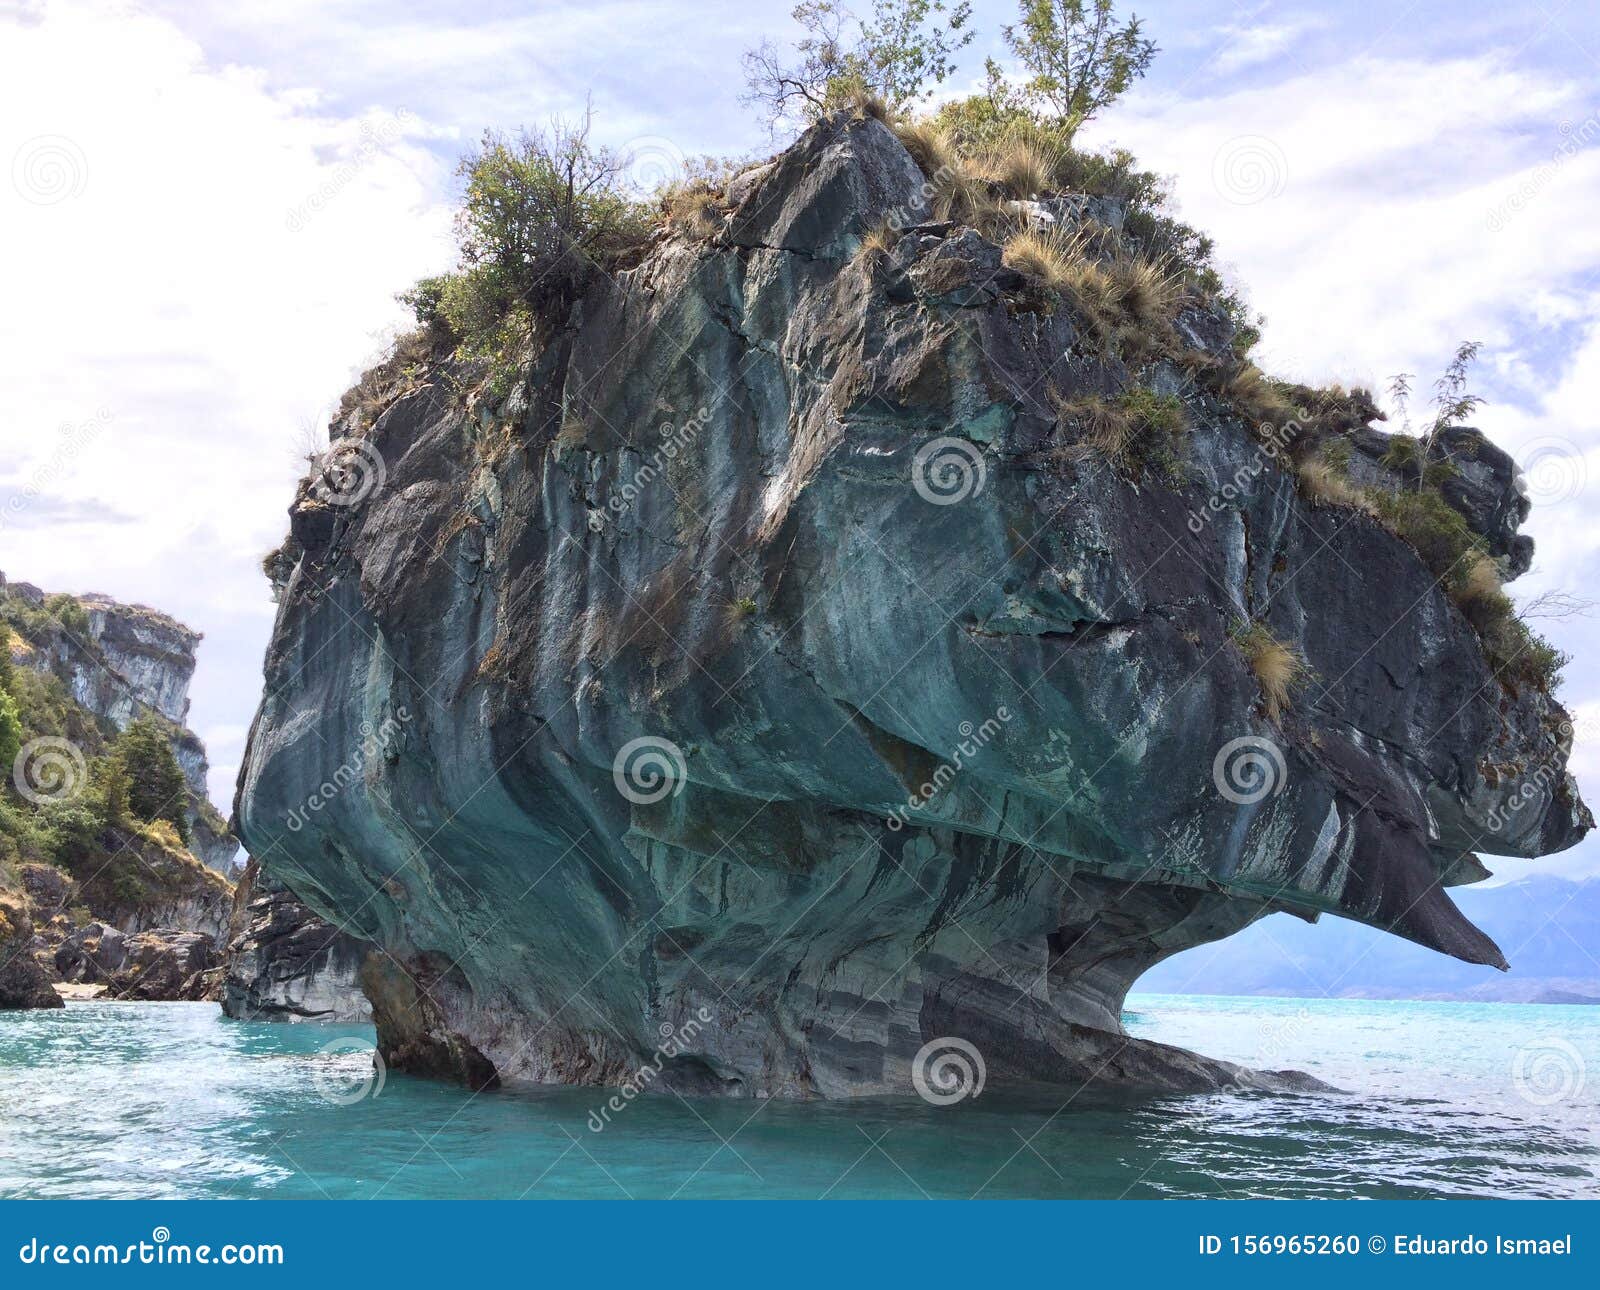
(754,675)
(286,964)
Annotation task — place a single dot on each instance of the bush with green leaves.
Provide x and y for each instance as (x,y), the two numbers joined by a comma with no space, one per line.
(899,55)
(542,213)
(10,732)
(1078,56)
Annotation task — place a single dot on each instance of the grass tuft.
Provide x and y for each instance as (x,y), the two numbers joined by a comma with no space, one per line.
(1277,665)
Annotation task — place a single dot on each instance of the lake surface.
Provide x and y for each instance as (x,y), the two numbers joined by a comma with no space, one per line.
(1440,1100)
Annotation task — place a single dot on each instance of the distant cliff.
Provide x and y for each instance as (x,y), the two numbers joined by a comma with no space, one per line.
(846,634)
(128,660)
(103,814)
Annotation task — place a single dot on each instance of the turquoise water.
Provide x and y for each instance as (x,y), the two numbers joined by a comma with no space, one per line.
(173,1100)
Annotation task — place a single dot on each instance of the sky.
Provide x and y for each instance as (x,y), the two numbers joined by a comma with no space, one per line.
(209,207)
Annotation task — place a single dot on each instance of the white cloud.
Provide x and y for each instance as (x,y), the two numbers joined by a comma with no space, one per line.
(197,265)
(1249,45)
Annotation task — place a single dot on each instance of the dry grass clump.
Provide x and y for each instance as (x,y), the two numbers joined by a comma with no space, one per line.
(1138,431)
(574,434)
(1277,665)
(861,103)
(1324,483)
(693,209)
(930,146)
(1476,590)
(1126,295)
(1149,291)
(1059,260)
(1261,401)
(737,612)
(1104,428)
(959,192)
(878,242)
(1020,166)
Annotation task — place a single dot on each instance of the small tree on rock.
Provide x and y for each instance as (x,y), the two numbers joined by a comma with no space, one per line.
(899,54)
(1078,57)
(156,789)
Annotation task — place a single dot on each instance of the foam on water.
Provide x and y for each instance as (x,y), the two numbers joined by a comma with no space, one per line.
(159,1100)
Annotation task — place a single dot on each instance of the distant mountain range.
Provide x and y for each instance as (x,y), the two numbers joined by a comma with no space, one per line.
(1549,929)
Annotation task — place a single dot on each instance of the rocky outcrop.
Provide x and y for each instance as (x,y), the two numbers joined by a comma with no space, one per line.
(160,965)
(153,929)
(812,706)
(23,983)
(286,964)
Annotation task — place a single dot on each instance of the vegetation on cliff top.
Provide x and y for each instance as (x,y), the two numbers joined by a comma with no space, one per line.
(544,212)
(106,807)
